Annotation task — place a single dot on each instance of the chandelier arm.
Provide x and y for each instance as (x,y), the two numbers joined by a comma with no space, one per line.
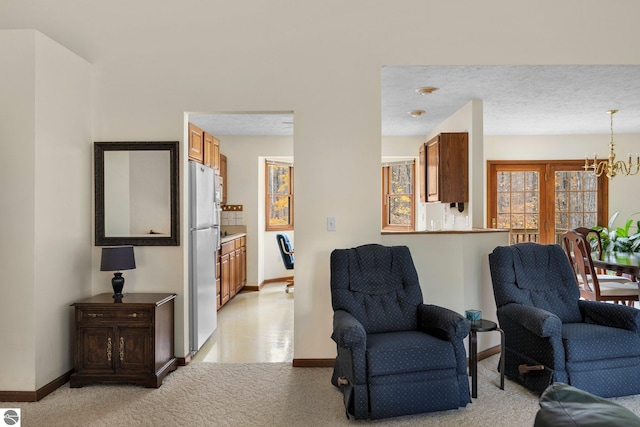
(611,167)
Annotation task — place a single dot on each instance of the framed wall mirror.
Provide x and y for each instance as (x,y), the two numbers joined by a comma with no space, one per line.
(136,193)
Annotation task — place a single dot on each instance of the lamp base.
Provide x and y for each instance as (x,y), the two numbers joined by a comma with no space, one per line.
(117,283)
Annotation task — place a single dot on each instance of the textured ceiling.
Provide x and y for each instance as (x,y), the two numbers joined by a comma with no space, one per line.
(245,124)
(517,100)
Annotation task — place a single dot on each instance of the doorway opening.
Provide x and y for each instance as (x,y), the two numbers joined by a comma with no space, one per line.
(246,139)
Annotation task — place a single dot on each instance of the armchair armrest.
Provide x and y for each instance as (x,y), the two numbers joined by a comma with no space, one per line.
(613,315)
(442,323)
(348,332)
(538,321)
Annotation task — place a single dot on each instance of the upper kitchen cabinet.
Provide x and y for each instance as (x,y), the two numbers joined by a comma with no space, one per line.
(446,175)
(196,143)
(223,175)
(211,151)
(203,147)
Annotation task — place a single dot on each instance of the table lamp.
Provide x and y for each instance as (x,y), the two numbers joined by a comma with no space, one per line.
(116,259)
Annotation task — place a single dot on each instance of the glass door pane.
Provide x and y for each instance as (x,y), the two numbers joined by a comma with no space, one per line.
(518,200)
(576,201)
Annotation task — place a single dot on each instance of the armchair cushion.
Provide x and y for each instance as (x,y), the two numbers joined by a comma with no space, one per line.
(579,339)
(532,273)
(407,351)
(390,304)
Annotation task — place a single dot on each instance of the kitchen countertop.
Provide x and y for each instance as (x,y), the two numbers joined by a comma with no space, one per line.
(229,237)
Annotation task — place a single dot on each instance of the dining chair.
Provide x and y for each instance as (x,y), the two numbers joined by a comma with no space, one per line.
(594,245)
(593,286)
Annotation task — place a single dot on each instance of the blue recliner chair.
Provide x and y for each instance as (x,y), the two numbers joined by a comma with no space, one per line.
(551,335)
(396,355)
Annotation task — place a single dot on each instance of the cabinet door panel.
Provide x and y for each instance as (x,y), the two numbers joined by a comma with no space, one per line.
(196,143)
(433,163)
(225,279)
(96,349)
(134,349)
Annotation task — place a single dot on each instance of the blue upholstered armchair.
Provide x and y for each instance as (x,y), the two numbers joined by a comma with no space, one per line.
(396,355)
(553,336)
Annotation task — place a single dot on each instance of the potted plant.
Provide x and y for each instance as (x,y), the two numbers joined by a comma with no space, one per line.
(618,239)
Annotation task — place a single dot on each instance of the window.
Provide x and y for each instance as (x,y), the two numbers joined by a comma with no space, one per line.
(398,201)
(539,201)
(279,196)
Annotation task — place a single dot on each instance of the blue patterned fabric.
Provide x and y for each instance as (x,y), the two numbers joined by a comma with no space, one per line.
(594,346)
(397,355)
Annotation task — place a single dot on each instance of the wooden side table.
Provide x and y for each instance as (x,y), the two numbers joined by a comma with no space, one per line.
(128,341)
(482,325)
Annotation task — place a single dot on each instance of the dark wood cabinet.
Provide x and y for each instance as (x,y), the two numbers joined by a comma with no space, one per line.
(422,163)
(129,341)
(445,175)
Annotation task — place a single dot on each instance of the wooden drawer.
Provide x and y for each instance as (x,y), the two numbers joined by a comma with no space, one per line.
(94,314)
(228,247)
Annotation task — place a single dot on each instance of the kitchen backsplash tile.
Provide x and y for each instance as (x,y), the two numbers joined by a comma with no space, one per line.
(231,215)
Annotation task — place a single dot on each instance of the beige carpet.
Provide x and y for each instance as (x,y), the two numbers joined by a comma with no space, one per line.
(251,394)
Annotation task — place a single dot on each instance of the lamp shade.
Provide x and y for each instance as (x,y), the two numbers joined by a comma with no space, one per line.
(117,258)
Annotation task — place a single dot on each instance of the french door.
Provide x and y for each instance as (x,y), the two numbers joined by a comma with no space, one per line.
(539,200)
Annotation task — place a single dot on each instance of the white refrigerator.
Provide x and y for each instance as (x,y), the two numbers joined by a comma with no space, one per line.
(204,233)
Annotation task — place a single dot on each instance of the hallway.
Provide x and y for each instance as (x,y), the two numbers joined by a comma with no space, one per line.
(254,327)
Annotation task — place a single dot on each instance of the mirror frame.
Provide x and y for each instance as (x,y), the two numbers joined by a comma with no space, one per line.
(98,157)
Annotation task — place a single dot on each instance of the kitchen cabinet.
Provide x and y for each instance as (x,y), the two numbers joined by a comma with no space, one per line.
(446,172)
(196,143)
(215,153)
(422,164)
(223,175)
(128,341)
(203,147)
(233,268)
(211,151)
(225,279)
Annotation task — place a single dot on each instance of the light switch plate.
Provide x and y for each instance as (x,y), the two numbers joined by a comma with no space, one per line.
(331,223)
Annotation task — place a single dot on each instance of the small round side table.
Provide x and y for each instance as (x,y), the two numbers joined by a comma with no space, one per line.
(482,325)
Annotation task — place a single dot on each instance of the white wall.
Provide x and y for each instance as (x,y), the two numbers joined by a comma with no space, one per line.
(319,59)
(468,119)
(46,223)
(17,215)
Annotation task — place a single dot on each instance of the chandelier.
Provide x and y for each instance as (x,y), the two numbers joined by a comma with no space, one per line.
(611,167)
